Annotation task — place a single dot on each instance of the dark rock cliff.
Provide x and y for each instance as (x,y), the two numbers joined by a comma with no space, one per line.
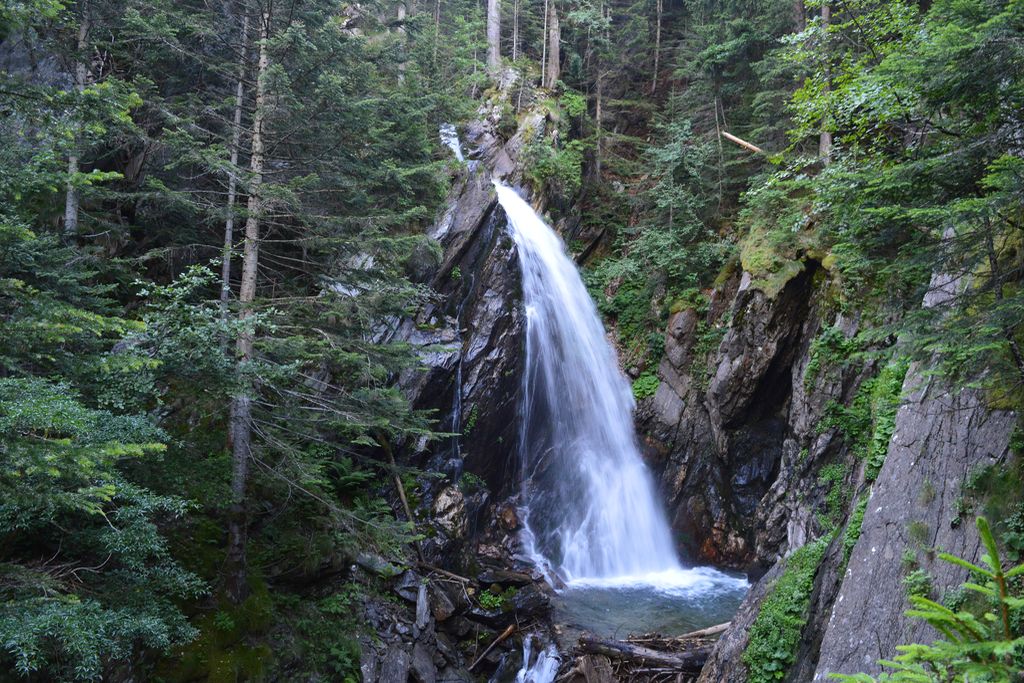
(471,346)
(732,427)
(469,338)
(736,431)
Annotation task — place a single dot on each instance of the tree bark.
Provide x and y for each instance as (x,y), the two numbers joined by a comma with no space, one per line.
(544,46)
(236,138)
(437,29)
(402,11)
(515,30)
(71,200)
(825,138)
(657,44)
(493,36)
(241,403)
(553,66)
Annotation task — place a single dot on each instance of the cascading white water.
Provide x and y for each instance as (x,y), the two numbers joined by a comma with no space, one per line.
(540,669)
(450,139)
(590,499)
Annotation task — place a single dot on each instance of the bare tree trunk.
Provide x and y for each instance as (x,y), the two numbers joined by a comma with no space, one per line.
(236,138)
(799,15)
(81,73)
(241,403)
(825,139)
(515,30)
(544,46)
(657,45)
(437,28)
(493,36)
(553,66)
(402,10)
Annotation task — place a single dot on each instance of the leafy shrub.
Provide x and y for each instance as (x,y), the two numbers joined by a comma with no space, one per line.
(645,385)
(829,348)
(868,422)
(918,583)
(853,528)
(491,600)
(471,483)
(834,476)
(562,167)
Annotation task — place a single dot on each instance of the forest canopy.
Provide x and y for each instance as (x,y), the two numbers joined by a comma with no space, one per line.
(214,214)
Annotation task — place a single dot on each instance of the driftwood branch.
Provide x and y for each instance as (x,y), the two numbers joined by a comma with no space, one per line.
(504,634)
(444,572)
(689,661)
(742,143)
(705,632)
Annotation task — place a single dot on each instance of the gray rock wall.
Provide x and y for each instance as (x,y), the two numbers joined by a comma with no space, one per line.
(940,438)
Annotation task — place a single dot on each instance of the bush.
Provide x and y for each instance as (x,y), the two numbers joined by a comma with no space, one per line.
(645,385)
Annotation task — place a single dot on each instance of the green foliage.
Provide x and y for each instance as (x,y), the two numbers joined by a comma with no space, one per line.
(830,349)
(918,583)
(227,647)
(558,167)
(470,422)
(471,483)
(1013,536)
(709,338)
(776,631)
(326,628)
(780,232)
(919,533)
(983,643)
(493,599)
(994,490)
(854,525)
(645,385)
(868,422)
(834,476)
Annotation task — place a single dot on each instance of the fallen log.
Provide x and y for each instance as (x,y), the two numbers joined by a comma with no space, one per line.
(689,661)
(504,634)
(742,143)
(660,642)
(705,632)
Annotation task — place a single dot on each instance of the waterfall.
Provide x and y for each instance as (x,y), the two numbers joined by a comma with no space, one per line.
(450,139)
(589,499)
(541,669)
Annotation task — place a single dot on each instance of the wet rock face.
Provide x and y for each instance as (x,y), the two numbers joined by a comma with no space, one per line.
(471,346)
(718,427)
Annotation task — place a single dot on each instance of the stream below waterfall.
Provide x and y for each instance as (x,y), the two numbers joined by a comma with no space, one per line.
(593,522)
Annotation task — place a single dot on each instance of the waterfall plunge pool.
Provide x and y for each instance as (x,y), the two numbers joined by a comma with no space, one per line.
(670,603)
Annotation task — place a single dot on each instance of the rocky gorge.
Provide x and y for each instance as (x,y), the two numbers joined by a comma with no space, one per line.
(741,434)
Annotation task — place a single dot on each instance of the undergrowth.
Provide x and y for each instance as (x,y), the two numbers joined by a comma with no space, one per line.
(775,633)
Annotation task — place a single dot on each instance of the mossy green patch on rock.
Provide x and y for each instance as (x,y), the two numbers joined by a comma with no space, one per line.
(775,633)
